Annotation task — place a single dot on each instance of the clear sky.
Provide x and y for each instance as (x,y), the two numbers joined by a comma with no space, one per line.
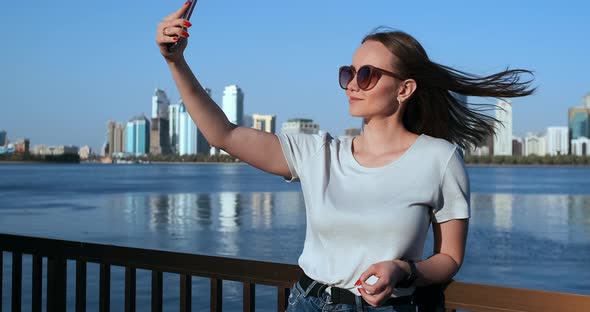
(67,67)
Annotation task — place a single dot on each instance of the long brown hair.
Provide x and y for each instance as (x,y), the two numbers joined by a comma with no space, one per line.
(432,109)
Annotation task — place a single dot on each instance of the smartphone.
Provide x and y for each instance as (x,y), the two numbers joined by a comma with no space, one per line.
(187,16)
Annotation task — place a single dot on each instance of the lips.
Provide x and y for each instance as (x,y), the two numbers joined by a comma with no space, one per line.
(351,99)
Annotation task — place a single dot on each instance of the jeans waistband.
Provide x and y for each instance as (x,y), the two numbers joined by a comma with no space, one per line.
(341,295)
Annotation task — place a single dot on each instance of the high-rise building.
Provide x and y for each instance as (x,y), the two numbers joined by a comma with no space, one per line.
(503,138)
(130,137)
(85,152)
(119,139)
(265,123)
(557,141)
(173,125)
(517,148)
(21,146)
(159,136)
(233,104)
(138,136)
(535,145)
(111,137)
(581,146)
(160,104)
(115,138)
(190,139)
(3,138)
(579,122)
(248,121)
(300,125)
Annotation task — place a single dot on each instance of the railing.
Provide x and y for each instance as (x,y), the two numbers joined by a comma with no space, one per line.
(470,297)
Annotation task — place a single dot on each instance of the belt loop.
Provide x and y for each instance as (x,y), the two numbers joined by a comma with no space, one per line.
(309,288)
(321,294)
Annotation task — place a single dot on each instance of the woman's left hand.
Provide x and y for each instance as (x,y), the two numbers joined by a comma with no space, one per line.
(389,274)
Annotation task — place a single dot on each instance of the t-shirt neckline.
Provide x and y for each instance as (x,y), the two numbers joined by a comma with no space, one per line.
(356,164)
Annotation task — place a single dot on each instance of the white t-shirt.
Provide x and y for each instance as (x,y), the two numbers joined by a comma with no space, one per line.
(358,216)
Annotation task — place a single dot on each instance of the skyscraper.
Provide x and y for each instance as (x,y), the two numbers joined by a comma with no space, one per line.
(248,121)
(190,139)
(115,138)
(130,137)
(138,136)
(233,104)
(160,104)
(503,138)
(119,139)
(111,137)
(557,141)
(579,122)
(173,125)
(2,138)
(159,136)
(264,122)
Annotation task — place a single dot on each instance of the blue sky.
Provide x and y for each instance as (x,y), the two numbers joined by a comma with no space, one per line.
(67,67)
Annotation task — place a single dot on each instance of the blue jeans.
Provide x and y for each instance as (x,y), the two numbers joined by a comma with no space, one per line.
(300,301)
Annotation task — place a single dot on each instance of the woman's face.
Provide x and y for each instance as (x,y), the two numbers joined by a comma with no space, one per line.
(381,100)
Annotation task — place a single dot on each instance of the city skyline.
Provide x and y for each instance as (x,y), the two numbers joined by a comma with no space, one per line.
(56,93)
(165,108)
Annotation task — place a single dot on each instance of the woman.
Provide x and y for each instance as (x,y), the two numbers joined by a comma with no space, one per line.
(369,199)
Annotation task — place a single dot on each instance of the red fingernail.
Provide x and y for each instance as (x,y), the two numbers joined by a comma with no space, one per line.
(358,283)
(188,24)
(187,3)
(184,33)
(175,38)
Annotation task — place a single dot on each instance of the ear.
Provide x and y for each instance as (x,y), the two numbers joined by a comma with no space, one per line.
(406,89)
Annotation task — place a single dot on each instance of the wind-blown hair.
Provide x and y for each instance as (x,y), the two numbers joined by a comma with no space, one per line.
(432,109)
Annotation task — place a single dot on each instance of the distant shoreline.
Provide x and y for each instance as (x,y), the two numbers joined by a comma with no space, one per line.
(23,162)
(20,162)
(531,165)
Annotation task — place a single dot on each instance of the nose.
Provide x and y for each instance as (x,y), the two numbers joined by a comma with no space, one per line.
(352,85)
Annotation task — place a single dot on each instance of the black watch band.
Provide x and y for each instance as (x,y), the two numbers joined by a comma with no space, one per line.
(411,278)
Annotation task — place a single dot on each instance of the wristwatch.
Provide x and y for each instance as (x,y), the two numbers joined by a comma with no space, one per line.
(409,280)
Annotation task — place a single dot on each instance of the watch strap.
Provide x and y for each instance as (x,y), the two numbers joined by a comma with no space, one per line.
(411,278)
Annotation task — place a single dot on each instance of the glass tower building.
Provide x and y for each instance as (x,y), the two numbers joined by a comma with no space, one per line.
(233,104)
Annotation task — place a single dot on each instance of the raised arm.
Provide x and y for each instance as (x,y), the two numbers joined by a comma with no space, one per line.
(257,148)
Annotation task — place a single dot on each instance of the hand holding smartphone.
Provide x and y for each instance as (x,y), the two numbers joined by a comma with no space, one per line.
(187,16)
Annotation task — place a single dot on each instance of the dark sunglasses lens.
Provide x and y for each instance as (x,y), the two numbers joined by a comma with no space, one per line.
(364,77)
(345,77)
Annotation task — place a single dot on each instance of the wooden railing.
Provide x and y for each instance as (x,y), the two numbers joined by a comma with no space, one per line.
(470,297)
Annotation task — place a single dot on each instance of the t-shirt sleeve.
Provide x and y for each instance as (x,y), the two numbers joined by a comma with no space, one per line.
(298,149)
(454,194)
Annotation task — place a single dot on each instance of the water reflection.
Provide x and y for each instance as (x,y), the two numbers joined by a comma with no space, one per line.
(262,204)
(503,211)
(563,218)
(229,215)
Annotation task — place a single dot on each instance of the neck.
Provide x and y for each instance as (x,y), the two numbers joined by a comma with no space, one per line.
(382,135)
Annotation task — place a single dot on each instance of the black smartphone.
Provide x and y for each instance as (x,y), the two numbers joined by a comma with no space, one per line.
(187,16)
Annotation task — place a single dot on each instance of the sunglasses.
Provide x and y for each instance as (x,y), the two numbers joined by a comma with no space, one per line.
(367,76)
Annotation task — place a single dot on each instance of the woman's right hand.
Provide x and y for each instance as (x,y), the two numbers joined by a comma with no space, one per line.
(171,30)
